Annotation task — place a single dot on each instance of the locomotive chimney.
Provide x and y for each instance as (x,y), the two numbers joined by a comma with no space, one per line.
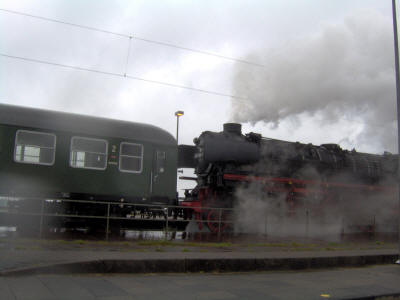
(233,128)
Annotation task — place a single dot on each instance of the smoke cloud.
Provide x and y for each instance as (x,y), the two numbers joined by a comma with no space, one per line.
(344,71)
(319,215)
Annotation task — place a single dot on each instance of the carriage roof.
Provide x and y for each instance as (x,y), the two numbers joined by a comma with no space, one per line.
(82,124)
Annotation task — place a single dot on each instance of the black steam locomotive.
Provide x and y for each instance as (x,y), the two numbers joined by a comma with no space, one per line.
(227,160)
(62,158)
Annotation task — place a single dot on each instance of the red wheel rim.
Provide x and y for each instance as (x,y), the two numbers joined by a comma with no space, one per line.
(212,221)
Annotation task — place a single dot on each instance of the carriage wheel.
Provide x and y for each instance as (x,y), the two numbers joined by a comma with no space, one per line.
(197,217)
(212,221)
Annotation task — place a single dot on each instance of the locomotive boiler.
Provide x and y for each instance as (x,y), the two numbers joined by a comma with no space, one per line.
(228,160)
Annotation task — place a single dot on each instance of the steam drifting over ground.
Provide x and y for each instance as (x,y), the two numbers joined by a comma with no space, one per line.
(343,71)
(272,216)
(313,216)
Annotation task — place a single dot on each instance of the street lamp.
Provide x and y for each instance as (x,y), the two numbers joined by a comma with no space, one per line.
(178,114)
(396,67)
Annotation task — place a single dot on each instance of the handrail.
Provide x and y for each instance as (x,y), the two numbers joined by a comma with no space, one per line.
(107,204)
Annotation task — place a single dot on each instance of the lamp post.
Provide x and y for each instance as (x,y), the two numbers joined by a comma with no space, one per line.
(178,114)
(396,67)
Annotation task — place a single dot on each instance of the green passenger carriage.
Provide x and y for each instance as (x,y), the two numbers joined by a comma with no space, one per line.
(61,155)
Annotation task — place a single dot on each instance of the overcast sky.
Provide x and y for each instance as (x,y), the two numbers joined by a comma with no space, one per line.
(328,74)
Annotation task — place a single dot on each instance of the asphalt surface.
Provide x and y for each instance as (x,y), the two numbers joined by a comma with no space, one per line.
(47,269)
(377,282)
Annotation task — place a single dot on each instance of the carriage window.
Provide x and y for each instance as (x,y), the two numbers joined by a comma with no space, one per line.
(131,158)
(88,153)
(161,161)
(34,147)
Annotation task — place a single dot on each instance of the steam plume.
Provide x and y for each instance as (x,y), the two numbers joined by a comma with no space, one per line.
(315,216)
(345,70)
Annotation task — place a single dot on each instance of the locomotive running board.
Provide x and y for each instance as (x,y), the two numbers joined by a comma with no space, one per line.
(290,181)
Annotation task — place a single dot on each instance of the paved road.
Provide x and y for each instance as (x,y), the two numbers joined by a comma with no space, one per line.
(350,283)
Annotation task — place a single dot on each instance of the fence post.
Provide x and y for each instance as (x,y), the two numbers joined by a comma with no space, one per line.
(266,222)
(219,223)
(307,222)
(374,223)
(166,225)
(41,219)
(342,225)
(108,220)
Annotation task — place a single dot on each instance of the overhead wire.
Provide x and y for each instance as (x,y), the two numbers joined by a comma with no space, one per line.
(122,76)
(128,56)
(240,98)
(64,23)
(132,36)
(125,75)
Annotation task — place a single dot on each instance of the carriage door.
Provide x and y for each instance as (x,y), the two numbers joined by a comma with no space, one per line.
(158,186)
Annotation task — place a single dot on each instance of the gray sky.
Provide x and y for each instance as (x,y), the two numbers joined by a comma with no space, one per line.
(326,46)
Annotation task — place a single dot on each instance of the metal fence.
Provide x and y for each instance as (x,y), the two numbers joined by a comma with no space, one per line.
(303,224)
(160,213)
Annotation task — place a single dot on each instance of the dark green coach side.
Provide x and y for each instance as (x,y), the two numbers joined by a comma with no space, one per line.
(55,154)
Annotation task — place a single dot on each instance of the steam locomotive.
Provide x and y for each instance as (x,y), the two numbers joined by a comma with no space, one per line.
(297,173)
(68,157)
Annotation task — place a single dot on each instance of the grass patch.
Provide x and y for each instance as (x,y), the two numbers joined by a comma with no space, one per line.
(139,250)
(158,249)
(156,243)
(330,249)
(188,244)
(62,241)
(72,242)
(185,250)
(211,245)
(80,242)
(278,245)
(102,243)
(304,249)
(20,248)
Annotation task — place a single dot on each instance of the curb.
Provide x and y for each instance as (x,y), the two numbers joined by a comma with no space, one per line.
(189,265)
(379,297)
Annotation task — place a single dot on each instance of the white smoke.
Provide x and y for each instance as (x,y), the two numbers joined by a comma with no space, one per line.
(322,216)
(344,71)
(271,215)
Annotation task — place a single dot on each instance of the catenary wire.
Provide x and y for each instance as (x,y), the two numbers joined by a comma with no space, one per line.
(136,37)
(127,56)
(65,23)
(127,60)
(241,99)
(46,62)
